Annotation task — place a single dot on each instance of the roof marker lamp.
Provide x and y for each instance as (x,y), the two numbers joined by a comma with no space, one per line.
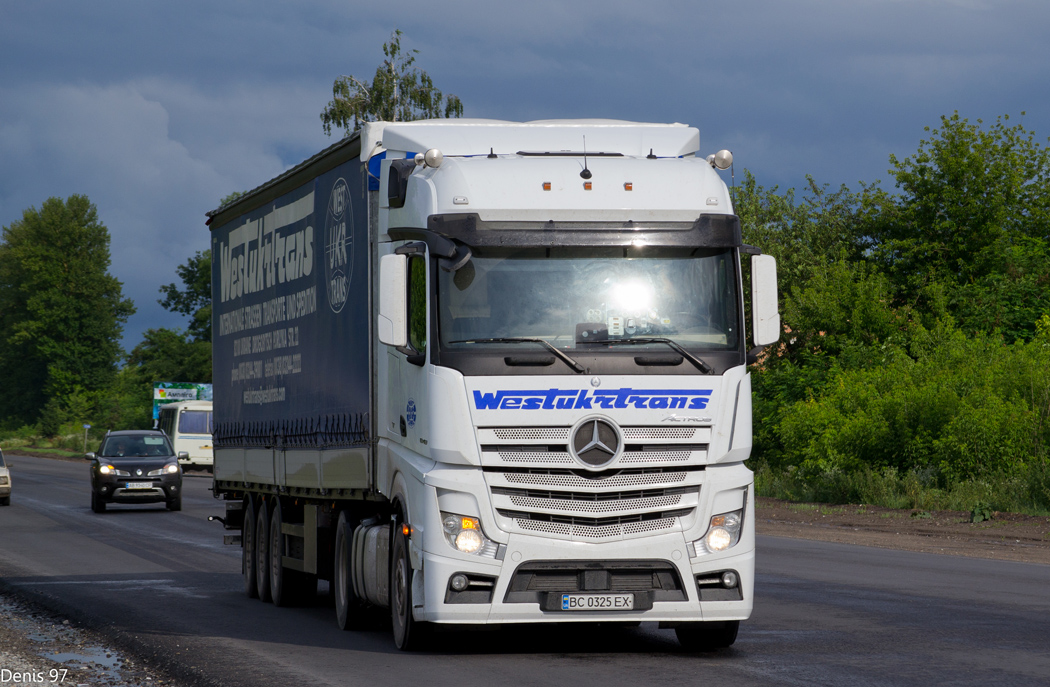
(464,534)
(723,533)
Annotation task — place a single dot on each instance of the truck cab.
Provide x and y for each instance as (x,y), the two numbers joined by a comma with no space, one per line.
(568,408)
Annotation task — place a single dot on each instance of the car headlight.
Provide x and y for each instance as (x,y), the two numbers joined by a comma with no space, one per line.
(110,470)
(464,534)
(169,469)
(722,533)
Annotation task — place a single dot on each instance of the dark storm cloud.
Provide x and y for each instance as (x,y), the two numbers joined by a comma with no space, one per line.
(157,110)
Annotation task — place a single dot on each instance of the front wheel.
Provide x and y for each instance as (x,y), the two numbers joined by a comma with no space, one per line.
(408,632)
(709,636)
(349,607)
(175,503)
(97,504)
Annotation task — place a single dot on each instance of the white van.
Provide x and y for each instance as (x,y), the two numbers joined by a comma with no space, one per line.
(189,425)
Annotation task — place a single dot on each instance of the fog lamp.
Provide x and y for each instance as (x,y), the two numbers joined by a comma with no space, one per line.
(459,582)
(730,579)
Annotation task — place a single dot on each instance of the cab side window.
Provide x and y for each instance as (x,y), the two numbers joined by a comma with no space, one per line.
(417,303)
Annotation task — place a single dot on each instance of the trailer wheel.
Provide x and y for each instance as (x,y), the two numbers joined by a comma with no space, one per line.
(262,551)
(348,605)
(708,636)
(280,582)
(409,634)
(248,549)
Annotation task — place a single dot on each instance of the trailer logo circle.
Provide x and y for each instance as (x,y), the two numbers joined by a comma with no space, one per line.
(339,245)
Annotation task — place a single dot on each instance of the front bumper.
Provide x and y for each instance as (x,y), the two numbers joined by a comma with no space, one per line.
(664,600)
(114,490)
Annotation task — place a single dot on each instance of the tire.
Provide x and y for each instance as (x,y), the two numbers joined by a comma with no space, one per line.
(409,633)
(175,504)
(286,586)
(709,636)
(349,607)
(248,549)
(6,501)
(97,504)
(262,551)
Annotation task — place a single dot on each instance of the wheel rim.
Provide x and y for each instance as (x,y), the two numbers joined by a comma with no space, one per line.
(400,588)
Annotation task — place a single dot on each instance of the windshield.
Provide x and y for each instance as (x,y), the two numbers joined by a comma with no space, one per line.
(572,296)
(119,446)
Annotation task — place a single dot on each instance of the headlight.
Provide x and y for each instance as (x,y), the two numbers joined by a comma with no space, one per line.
(722,533)
(464,535)
(110,470)
(170,468)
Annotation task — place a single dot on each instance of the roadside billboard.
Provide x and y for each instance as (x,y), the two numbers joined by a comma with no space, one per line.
(173,392)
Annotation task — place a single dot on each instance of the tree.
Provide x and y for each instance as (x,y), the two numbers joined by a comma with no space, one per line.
(195,300)
(61,312)
(398,92)
(968,196)
(167,355)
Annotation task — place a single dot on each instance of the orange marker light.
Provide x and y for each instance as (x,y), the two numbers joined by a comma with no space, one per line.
(406,530)
(628,186)
(718,521)
(469,524)
(586,186)
(546,186)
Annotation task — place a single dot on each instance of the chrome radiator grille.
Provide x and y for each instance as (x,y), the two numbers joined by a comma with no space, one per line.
(537,485)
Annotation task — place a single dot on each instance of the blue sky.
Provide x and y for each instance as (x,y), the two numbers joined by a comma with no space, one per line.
(156,110)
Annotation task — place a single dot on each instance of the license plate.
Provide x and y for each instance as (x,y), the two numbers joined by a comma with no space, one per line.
(139,485)
(597,602)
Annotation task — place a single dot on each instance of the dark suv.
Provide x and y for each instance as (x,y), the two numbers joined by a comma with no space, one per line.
(135,466)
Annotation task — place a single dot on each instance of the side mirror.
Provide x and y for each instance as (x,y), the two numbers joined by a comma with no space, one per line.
(392,323)
(766,325)
(183,455)
(89,456)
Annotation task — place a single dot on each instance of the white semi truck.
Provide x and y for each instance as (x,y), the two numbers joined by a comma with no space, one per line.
(484,372)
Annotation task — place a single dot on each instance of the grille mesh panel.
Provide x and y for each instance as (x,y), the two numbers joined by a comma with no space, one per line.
(600,532)
(531,433)
(655,456)
(531,503)
(540,457)
(640,433)
(619,481)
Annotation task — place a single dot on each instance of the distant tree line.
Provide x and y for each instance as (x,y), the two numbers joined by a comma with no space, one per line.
(915,362)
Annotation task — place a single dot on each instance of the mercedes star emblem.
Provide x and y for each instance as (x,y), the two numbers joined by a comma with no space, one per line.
(596,442)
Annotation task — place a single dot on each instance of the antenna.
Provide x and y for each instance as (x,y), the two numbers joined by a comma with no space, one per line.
(586,173)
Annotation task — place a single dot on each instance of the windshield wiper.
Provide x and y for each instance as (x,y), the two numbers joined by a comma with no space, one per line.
(566,359)
(697,362)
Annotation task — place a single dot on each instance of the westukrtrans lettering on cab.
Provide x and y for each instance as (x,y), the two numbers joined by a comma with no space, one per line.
(586,399)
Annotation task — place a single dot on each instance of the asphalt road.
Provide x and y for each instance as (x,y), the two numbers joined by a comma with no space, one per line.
(162,584)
